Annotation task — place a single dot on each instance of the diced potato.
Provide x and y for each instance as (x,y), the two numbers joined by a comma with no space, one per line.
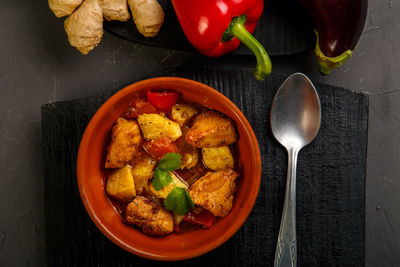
(163,193)
(217,158)
(155,126)
(125,143)
(211,129)
(120,184)
(142,171)
(181,113)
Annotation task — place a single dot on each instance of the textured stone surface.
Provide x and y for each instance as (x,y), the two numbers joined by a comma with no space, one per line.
(37,66)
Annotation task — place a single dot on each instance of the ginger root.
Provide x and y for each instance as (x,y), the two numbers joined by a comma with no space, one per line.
(85,26)
(63,8)
(115,10)
(148,16)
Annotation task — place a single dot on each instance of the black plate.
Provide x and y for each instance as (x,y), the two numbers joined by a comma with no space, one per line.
(285,28)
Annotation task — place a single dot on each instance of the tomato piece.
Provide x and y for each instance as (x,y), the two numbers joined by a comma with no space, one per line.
(163,100)
(158,148)
(203,218)
(139,106)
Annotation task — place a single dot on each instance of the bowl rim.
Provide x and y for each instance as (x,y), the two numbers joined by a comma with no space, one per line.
(137,86)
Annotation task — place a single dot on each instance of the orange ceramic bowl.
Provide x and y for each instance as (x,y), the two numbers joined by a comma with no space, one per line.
(91,178)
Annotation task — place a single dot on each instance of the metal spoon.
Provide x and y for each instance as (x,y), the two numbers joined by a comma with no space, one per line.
(295,121)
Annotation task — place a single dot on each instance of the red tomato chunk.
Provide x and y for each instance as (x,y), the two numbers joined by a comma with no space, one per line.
(158,148)
(162,100)
(139,106)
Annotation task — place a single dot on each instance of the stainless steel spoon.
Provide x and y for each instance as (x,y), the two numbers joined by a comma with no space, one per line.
(295,121)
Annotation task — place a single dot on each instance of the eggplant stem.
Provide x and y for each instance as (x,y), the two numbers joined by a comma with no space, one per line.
(237,29)
(326,64)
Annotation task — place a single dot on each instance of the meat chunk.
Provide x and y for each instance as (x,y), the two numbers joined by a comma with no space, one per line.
(155,126)
(150,216)
(217,158)
(214,191)
(211,129)
(125,143)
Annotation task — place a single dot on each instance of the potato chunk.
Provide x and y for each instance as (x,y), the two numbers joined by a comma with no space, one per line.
(211,129)
(150,216)
(120,184)
(125,143)
(142,171)
(155,126)
(217,158)
(163,193)
(214,191)
(181,113)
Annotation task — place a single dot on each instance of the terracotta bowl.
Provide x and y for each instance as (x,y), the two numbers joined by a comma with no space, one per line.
(91,176)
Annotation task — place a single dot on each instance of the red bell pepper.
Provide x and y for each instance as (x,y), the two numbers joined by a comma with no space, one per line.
(216,27)
(162,99)
(203,218)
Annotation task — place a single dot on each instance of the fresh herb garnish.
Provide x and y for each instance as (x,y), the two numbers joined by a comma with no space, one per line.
(178,200)
(170,162)
(161,179)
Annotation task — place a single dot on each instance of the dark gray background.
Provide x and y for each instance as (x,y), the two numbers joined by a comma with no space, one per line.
(38,66)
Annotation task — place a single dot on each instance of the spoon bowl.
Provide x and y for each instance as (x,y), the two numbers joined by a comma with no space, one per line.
(295,121)
(296,112)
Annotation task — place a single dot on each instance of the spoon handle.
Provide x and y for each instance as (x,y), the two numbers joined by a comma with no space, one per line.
(286,248)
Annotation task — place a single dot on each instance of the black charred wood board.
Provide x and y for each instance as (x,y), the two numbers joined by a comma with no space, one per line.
(330,182)
(284,28)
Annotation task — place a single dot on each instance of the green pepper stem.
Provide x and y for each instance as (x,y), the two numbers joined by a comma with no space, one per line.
(326,64)
(237,29)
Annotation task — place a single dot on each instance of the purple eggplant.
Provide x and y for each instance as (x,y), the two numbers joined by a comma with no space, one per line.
(339,24)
